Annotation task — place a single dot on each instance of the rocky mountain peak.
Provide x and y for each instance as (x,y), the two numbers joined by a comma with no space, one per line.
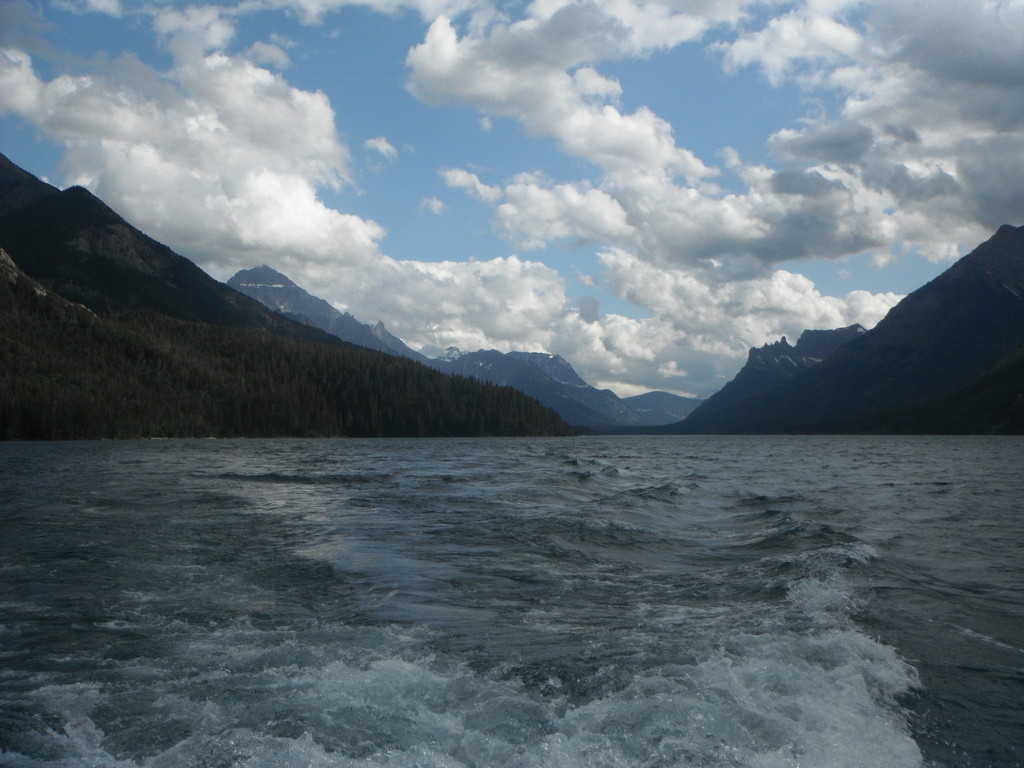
(452,353)
(261,277)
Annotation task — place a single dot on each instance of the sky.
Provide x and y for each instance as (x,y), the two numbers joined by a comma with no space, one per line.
(646,187)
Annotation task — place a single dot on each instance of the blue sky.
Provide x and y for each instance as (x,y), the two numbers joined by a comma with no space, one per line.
(646,187)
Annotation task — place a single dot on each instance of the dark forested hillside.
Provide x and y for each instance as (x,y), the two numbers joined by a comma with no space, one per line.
(105,332)
(66,372)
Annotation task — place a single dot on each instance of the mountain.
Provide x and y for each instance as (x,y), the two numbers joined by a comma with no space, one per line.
(74,244)
(992,403)
(770,365)
(656,408)
(18,187)
(279,293)
(551,380)
(452,353)
(926,367)
(105,332)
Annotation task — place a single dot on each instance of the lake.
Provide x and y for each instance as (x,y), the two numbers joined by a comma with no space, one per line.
(595,601)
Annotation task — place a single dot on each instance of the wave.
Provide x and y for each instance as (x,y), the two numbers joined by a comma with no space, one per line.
(773,698)
(328,479)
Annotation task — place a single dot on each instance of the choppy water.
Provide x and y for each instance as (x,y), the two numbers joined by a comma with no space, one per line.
(678,601)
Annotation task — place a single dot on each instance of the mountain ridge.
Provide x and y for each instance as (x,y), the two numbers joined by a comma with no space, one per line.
(948,357)
(107,333)
(933,345)
(18,187)
(279,293)
(769,365)
(577,402)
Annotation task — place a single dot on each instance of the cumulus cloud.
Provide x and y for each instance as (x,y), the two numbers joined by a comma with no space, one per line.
(730,316)
(839,143)
(505,303)
(531,71)
(537,71)
(461,179)
(921,153)
(974,42)
(316,11)
(218,156)
(809,34)
(270,54)
(534,214)
(109,7)
(931,119)
(194,28)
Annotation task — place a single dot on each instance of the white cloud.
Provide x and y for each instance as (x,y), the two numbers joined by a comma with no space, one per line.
(931,123)
(217,156)
(671,369)
(460,179)
(810,34)
(382,146)
(503,303)
(728,317)
(194,28)
(315,11)
(533,214)
(517,70)
(270,54)
(109,7)
(432,204)
(921,155)
(522,71)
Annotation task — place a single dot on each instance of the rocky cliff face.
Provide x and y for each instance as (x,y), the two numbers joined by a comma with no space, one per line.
(554,366)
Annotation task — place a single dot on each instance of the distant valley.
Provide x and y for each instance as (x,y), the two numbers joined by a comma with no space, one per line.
(548,378)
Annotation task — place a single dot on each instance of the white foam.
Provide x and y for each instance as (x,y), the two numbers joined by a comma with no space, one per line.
(820,699)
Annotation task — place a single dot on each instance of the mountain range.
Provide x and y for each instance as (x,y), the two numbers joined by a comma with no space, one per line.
(105,332)
(947,358)
(548,378)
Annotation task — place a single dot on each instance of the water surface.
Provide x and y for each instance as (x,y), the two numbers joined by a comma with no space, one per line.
(671,601)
